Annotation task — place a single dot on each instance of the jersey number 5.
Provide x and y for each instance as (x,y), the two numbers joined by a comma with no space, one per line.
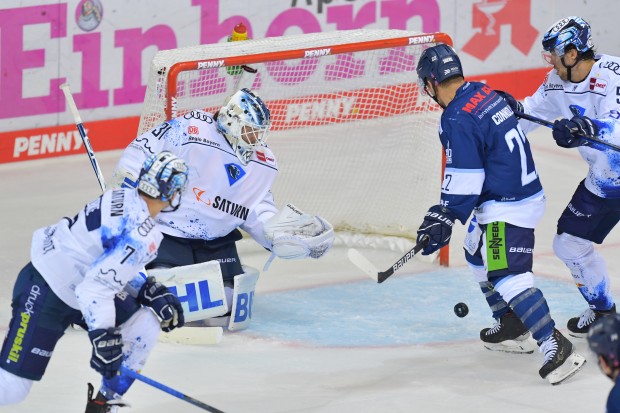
(516,135)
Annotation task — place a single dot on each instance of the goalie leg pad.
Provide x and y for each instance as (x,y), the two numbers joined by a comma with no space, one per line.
(243,299)
(199,287)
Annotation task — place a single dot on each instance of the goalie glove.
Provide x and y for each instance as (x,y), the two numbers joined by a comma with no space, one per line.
(294,234)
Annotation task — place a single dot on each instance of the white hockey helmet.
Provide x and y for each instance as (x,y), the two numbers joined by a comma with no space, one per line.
(162,176)
(245,121)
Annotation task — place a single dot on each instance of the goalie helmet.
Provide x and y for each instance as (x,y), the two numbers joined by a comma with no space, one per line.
(604,339)
(570,30)
(244,120)
(162,176)
(437,64)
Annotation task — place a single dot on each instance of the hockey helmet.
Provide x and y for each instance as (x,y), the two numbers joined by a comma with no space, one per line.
(438,63)
(162,176)
(569,30)
(245,121)
(604,339)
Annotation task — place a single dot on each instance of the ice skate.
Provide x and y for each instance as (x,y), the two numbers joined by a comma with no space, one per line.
(508,335)
(100,404)
(579,326)
(560,360)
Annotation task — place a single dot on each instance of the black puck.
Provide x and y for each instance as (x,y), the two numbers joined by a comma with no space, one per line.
(461,309)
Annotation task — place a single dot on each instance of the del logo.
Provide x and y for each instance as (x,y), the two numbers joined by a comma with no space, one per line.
(597,85)
(193,130)
(234,173)
(199,196)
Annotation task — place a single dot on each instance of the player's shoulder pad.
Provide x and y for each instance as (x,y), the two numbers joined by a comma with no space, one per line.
(609,67)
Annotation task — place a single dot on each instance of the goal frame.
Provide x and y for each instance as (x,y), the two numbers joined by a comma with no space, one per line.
(248,59)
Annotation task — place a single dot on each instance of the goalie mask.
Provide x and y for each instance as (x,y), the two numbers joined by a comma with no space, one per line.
(244,120)
(437,64)
(162,176)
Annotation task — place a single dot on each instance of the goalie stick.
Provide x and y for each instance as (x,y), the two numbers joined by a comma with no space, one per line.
(166,389)
(550,125)
(204,335)
(363,264)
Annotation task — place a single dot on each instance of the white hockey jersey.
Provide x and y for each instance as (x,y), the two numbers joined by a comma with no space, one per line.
(597,97)
(88,259)
(222,194)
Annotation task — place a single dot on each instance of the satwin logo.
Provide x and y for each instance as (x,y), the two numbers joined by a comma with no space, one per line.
(487,18)
(199,193)
(597,85)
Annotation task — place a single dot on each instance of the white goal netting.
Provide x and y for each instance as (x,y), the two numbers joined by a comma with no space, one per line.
(355,141)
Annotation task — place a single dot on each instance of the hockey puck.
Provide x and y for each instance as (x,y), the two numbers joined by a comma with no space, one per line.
(461,310)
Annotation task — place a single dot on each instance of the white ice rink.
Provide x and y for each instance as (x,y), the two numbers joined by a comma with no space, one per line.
(325,338)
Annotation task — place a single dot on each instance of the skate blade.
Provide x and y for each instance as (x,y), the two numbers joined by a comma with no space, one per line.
(519,346)
(572,365)
(577,335)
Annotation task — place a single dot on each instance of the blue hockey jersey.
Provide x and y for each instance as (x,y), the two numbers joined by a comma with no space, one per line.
(489,165)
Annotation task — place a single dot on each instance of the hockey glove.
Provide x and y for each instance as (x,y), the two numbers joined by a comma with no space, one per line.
(107,351)
(437,226)
(165,304)
(514,104)
(566,132)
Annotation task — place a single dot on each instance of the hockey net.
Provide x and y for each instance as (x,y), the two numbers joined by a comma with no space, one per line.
(354,139)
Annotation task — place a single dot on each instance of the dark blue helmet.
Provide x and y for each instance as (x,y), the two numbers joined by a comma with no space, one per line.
(438,63)
(570,30)
(604,339)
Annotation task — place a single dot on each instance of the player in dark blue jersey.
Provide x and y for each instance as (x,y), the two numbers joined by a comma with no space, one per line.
(604,341)
(490,172)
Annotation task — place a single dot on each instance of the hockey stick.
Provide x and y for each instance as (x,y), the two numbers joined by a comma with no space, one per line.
(203,335)
(82,131)
(363,264)
(550,125)
(173,392)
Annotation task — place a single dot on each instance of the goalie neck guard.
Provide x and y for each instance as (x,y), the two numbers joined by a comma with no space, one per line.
(162,176)
(245,121)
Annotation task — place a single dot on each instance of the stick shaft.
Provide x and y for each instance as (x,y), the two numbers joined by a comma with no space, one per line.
(83,135)
(550,125)
(135,375)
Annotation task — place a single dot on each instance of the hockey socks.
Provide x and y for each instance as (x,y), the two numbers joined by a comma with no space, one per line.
(531,307)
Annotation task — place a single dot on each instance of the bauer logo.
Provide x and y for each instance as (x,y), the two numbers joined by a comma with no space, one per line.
(210,64)
(317,53)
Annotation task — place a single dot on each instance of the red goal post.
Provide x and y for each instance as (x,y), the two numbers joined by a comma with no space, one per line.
(355,141)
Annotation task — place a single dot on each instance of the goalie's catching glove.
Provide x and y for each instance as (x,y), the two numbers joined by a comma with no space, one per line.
(567,132)
(295,234)
(437,226)
(165,304)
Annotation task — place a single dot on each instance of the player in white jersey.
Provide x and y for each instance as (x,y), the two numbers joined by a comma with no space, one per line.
(79,272)
(583,90)
(490,172)
(231,174)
